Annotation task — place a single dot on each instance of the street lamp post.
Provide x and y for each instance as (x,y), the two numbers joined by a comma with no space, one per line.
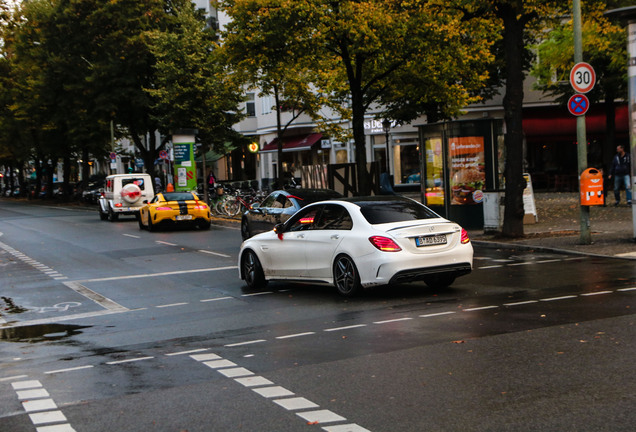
(386,125)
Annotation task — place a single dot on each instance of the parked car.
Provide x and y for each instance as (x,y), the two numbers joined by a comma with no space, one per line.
(360,242)
(174,209)
(124,194)
(279,206)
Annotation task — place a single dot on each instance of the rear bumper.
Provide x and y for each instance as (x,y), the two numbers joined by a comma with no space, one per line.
(420,273)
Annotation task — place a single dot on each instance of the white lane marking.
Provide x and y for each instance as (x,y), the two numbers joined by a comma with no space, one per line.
(171,305)
(130,235)
(39,405)
(298,403)
(38,393)
(480,308)
(187,352)
(437,314)
(257,294)
(321,416)
(101,300)
(165,243)
(596,293)
(217,364)
(344,328)
(65,427)
(33,263)
(522,263)
(235,372)
(15,377)
(69,369)
(47,417)
(253,381)
(557,298)
(274,391)
(245,343)
(521,303)
(548,261)
(295,335)
(205,357)
(147,275)
(393,320)
(489,267)
(23,385)
(215,253)
(345,428)
(129,360)
(215,299)
(269,390)
(626,289)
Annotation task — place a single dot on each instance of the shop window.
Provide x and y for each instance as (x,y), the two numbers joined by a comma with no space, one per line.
(406,164)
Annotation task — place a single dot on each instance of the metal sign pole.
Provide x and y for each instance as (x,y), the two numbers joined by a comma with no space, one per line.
(581,138)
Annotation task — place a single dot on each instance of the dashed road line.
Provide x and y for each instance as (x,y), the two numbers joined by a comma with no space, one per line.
(132,236)
(69,369)
(246,343)
(216,299)
(526,302)
(41,408)
(33,263)
(431,315)
(214,253)
(281,396)
(596,293)
(480,308)
(557,298)
(296,335)
(188,352)
(171,305)
(344,328)
(166,243)
(257,294)
(393,320)
(116,362)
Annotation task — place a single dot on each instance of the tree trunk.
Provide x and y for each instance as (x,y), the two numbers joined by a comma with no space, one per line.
(513,116)
(357,115)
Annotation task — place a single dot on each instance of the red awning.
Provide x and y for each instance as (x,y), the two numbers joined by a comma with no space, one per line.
(294,143)
(550,122)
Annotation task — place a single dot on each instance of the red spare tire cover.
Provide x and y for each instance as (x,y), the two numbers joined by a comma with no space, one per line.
(131,193)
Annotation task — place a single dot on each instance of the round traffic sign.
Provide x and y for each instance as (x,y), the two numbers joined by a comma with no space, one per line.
(163,154)
(582,77)
(578,104)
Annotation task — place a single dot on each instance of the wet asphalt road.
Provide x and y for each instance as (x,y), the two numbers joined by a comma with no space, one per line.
(106,327)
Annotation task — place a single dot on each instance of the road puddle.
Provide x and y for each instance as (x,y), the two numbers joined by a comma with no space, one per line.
(40,332)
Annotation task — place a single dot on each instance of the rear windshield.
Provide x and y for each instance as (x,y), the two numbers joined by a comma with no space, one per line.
(138,181)
(178,196)
(379,212)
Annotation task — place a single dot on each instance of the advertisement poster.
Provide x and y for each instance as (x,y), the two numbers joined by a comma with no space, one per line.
(184,167)
(467,170)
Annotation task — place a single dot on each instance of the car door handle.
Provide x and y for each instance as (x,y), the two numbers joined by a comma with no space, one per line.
(300,236)
(335,237)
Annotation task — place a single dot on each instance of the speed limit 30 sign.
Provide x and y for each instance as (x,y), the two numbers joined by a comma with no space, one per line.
(582,77)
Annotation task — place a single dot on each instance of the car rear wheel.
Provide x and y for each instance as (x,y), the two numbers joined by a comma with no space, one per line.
(252,271)
(205,225)
(245,229)
(112,216)
(345,276)
(151,227)
(102,215)
(439,281)
(141,225)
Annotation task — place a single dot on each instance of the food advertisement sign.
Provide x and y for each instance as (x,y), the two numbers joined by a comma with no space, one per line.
(467,170)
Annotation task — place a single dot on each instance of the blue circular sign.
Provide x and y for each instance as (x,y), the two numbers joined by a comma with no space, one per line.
(578,104)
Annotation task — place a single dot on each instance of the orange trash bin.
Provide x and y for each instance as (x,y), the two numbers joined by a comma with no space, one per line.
(591,186)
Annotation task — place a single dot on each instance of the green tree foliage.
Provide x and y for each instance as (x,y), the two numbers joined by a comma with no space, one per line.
(192,88)
(411,56)
(604,47)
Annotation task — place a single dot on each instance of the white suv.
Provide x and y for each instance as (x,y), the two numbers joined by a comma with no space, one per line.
(124,194)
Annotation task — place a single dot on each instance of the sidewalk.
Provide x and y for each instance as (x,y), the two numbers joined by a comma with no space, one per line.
(558,228)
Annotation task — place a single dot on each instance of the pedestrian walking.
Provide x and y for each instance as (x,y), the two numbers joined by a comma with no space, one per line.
(620,171)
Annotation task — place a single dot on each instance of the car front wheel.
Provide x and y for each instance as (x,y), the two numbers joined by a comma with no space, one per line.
(345,276)
(245,229)
(252,271)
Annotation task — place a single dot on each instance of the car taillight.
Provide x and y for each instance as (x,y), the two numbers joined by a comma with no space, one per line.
(118,205)
(465,239)
(385,244)
(201,207)
(163,208)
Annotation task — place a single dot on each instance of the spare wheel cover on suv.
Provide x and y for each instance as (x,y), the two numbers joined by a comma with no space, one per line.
(131,193)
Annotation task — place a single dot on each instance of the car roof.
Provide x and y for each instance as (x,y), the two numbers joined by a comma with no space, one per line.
(312,195)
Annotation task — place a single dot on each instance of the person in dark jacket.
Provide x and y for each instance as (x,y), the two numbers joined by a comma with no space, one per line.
(620,171)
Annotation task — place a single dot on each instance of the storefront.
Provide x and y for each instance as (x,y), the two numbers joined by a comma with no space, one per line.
(459,160)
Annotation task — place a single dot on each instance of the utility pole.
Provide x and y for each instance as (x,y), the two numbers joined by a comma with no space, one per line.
(581,138)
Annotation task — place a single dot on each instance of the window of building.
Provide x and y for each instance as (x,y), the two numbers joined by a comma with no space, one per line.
(250,105)
(266,104)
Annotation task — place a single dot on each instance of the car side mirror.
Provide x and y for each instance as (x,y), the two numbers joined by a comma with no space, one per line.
(145,201)
(279,228)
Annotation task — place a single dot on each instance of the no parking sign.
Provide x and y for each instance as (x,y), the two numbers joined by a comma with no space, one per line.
(578,104)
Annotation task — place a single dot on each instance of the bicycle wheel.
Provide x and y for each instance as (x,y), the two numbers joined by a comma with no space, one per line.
(232,207)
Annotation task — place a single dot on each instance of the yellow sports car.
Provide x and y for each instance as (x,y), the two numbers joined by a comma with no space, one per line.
(174,209)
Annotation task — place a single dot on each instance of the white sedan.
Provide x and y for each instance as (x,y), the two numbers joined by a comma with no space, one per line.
(359,242)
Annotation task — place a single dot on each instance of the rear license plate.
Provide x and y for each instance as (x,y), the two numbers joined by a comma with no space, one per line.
(184,217)
(430,240)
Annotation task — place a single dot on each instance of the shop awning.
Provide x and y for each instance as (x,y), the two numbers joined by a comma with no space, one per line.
(294,143)
(557,122)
